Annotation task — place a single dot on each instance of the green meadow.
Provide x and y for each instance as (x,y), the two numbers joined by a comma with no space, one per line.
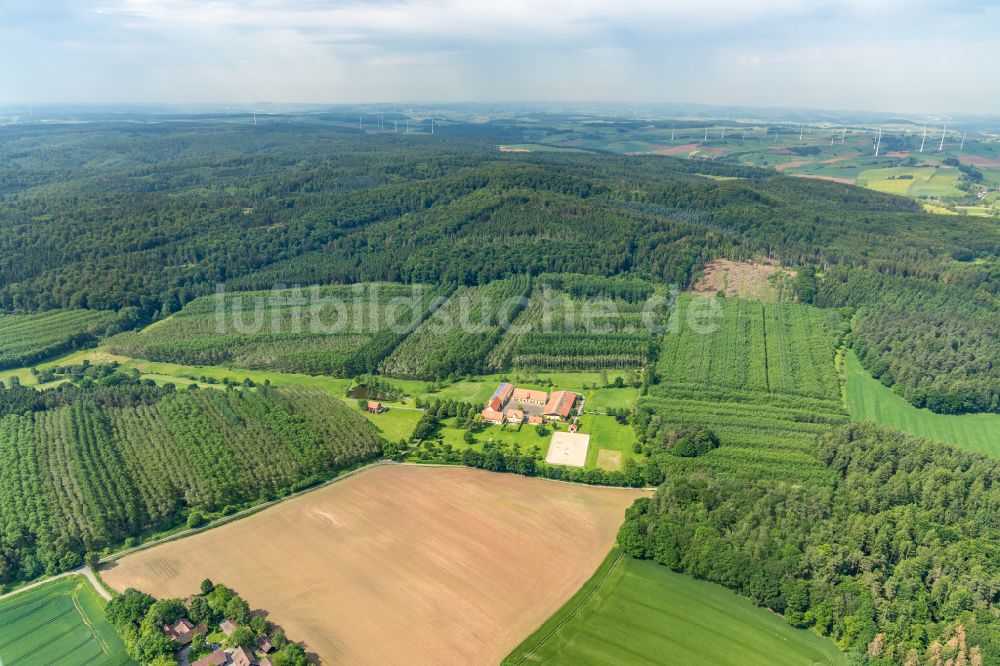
(870,400)
(58,623)
(638,612)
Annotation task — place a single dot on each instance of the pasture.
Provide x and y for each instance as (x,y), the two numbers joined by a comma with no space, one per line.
(60,623)
(638,612)
(402,563)
(870,400)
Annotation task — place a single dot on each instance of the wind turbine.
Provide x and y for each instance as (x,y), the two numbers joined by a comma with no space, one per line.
(878,141)
(924,139)
(843,135)
(944,130)
(962,145)
(800,132)
(432,124)
(706,134)
(723,132)
(254,117)
(672,126)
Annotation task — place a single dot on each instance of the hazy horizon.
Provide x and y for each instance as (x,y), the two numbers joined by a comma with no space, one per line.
(884,56)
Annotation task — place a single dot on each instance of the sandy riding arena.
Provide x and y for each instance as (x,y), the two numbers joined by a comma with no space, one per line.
(401,564)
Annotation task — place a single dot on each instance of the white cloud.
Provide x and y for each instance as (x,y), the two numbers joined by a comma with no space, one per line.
(874,53)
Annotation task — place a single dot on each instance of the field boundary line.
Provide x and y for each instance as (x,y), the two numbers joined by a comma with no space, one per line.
(90,627)
(576,611)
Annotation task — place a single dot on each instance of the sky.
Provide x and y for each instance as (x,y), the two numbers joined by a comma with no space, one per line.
(913,56)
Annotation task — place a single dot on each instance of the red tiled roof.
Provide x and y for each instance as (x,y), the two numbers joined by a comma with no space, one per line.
(560,403)
(501,395)
(530,395)
(515,415)
(490,414)
(536,419)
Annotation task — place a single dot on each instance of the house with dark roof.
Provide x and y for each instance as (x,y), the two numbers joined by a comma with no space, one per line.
(242,657)
(217,658)
(264,645)
(184,630)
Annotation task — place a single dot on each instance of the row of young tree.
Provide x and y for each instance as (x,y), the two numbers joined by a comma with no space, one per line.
(89,467)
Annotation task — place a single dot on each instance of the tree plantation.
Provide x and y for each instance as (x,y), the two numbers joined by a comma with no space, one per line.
(196,205)
(27,339)
(342,331)
(84,469)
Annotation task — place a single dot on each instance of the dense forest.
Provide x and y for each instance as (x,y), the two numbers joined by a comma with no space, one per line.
(89,465)
(142,219)
(893,558)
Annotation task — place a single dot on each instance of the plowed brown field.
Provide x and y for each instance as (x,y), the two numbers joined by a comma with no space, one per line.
(401,564)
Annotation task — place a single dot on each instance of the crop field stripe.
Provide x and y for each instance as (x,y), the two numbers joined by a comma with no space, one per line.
(45,622)
(639,612)
(575,604)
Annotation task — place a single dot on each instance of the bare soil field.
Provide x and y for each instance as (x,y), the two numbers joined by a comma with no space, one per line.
(794,164)
(738,278)
(976,160)
(402,564)
(675,150)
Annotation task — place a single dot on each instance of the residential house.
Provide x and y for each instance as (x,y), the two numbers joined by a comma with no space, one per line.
(217,658)
(375,407)
(514,416)
(242,657)
(493,416)
(184,630)
(264,645)
(227,626)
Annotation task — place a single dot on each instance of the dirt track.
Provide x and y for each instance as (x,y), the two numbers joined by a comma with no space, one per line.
(402,564)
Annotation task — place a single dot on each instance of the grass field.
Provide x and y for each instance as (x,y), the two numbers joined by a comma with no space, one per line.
(401,563)
(638,612)
(606,434)
(395,424)
(870,400)
(61,623)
